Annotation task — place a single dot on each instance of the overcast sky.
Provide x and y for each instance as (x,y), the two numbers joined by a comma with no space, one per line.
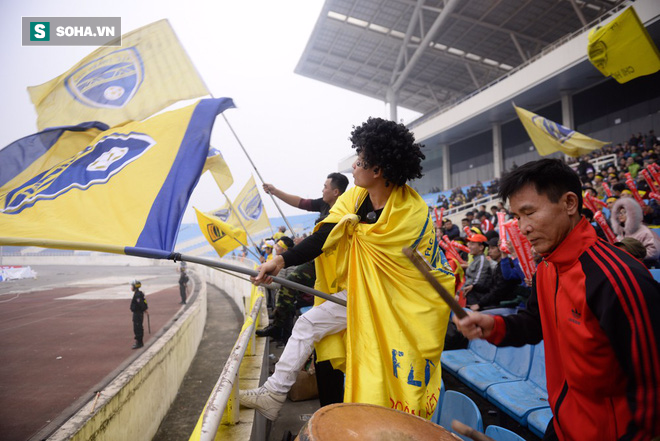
(295,129)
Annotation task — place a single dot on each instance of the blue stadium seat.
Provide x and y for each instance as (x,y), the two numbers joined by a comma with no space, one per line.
(478,352)
(457,406)
(538,420)
(501,434)
(519,398)
(655,273)
(510,364)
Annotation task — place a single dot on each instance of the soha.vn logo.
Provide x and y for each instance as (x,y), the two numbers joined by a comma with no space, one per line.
(95,165)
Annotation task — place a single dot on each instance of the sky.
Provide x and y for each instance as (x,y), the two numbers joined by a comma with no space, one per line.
(294,129)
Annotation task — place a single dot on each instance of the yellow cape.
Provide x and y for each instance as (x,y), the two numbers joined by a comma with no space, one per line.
(396,323)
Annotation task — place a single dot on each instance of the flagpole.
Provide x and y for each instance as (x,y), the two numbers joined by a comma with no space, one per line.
(286,221)
(253,273)
(151,253)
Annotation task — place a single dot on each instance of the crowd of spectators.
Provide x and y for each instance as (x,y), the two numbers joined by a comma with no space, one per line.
(609,184)
(459,197)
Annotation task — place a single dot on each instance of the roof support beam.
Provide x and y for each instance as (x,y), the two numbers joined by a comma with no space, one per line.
(518,47)
(579,13)
(406,41)
(446,11)
(474,78)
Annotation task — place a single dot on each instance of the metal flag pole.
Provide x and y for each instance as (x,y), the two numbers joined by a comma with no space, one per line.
(253,273)
(258,174)
(152,253)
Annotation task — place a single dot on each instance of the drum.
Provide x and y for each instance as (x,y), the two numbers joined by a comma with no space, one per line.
(367,422)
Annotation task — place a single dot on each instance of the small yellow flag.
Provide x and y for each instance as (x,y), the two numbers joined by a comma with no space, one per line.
(250,209)
(623,48)
(549,137)
(222,236)
(219,169)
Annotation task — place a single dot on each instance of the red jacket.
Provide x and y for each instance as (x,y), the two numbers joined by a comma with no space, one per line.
(598,310)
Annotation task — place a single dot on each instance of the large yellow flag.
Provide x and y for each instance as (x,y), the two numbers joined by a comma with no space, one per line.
(623,48)
(396,323)
(219,169)
(222,236)
(147,73)
(549,137)
(125,187)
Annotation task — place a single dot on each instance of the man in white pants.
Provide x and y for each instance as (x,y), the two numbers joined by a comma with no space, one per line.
(381,286)
(325,319)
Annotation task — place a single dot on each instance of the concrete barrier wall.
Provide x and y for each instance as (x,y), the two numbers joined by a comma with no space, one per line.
(237,286)
(134,404)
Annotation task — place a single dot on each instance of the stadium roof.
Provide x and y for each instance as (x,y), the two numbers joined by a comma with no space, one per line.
(435,52)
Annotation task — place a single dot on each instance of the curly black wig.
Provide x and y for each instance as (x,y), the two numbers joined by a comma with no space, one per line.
(390,147)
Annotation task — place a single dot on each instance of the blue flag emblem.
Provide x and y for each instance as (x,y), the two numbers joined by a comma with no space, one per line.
(109,81)
(251,206)
(223,214)
(557,131)
(96,164)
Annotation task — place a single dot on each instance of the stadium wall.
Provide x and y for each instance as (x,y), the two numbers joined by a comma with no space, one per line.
(133,405)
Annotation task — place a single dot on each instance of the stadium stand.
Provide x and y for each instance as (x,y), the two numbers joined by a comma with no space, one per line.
(458,406)
(514,381)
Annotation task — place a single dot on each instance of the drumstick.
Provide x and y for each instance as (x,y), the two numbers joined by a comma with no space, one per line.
(468,431)
(424,267)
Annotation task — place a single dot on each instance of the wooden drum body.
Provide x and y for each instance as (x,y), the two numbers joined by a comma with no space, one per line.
(355,421)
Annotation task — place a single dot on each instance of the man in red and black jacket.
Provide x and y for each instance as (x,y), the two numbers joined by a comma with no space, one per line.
(596,308)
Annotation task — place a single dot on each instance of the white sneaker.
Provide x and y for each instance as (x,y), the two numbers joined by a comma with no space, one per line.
(261,399)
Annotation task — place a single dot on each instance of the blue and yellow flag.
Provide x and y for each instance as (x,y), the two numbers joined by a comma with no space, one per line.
(222,236)
(623,48)
(127,187)
(249,212)
(150,71)
(219,169)
(549,137)
(396,322)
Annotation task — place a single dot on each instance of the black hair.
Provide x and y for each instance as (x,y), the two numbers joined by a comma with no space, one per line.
(550,177)
(338,181)
(287,241)
(390,147)
(588,214)
(619,186)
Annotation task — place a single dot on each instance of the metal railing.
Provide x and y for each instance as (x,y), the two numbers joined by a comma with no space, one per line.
(599,162)
(223,399)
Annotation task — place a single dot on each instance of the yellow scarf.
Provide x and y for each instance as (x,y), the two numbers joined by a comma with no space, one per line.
(396,323)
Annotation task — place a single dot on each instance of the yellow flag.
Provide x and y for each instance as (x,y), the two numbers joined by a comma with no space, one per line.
(623,48)
(549,137)
(126,187)
(147,73)
(250,209)
(331,348)
(396,323)
(222,236)
(219,169)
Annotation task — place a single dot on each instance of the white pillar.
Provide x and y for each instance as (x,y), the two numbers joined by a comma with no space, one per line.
(446,167)
(567,109)
(392,101)
(498,158)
